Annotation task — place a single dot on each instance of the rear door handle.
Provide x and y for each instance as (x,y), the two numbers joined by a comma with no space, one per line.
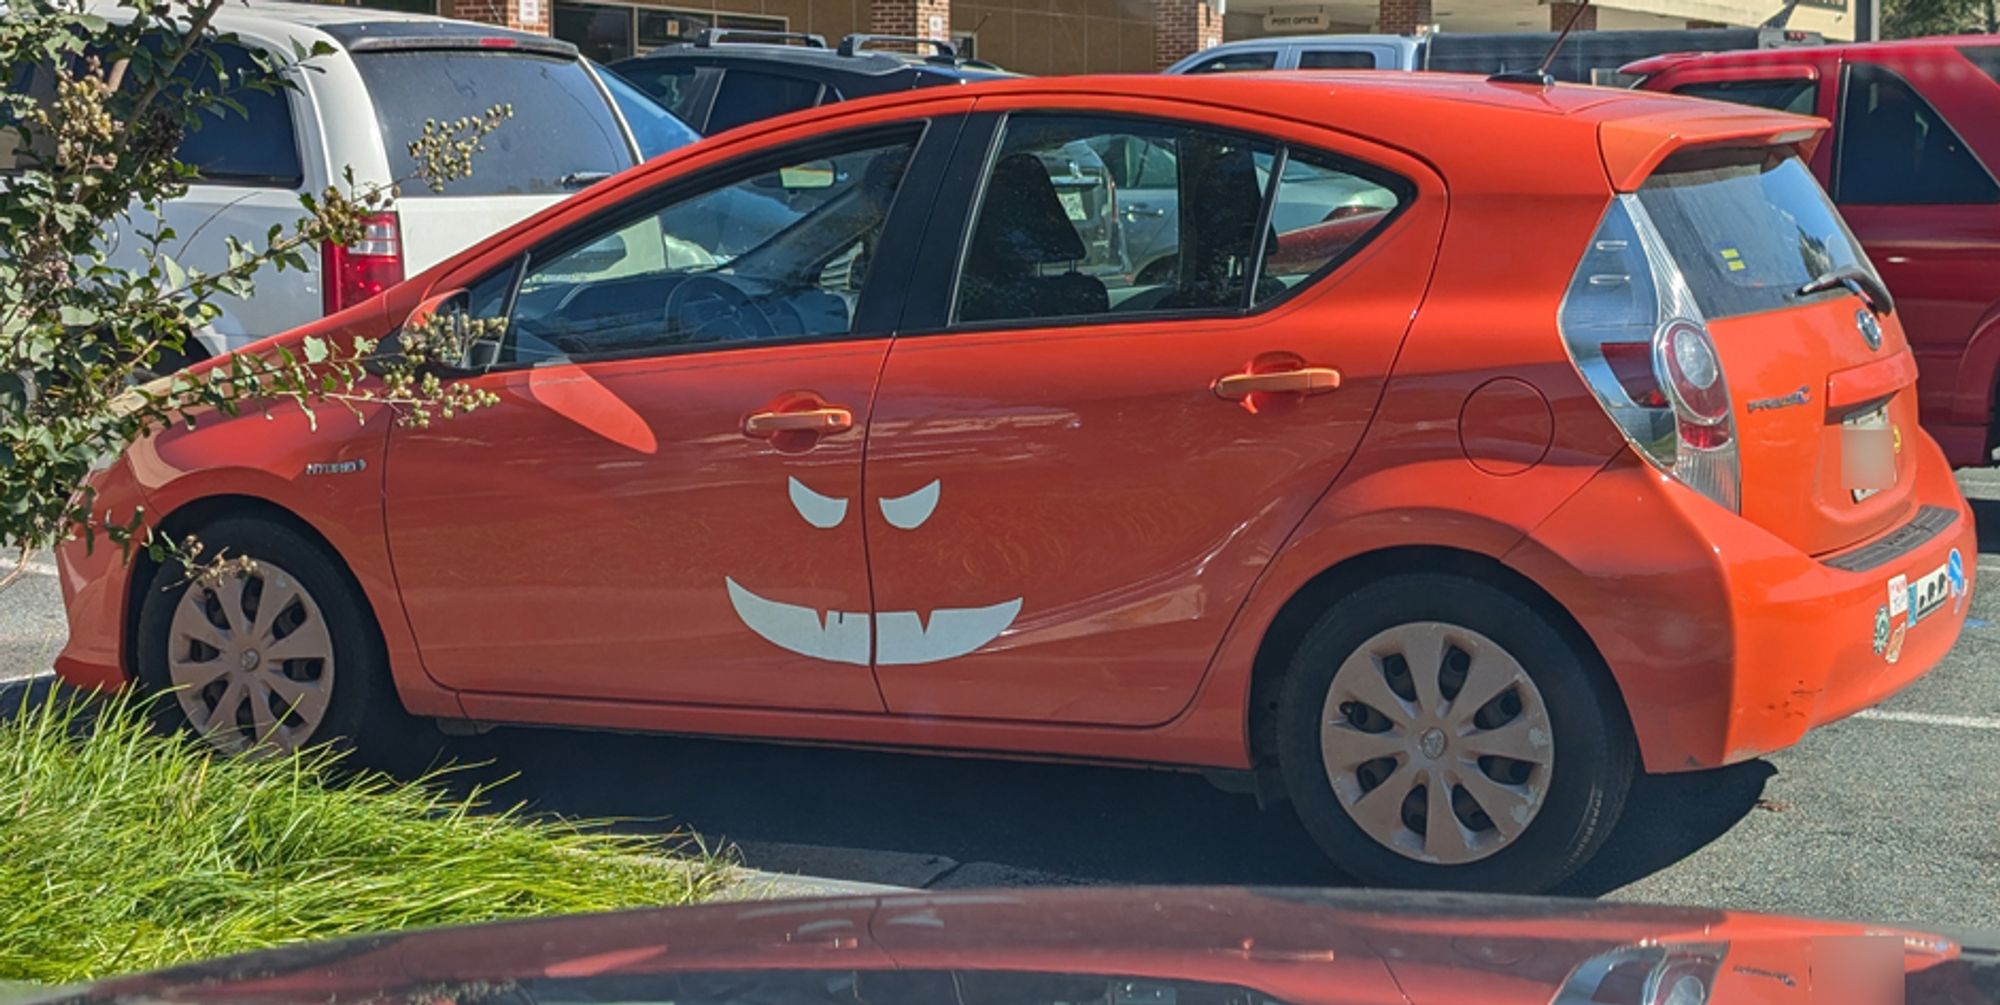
(1304,380)
(830,419)
(1137,210)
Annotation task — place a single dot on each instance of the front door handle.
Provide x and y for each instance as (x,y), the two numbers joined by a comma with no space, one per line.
(829,419)
(1304,380)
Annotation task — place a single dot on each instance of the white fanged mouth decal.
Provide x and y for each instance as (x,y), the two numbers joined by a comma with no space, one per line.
(901,638)
(898,638)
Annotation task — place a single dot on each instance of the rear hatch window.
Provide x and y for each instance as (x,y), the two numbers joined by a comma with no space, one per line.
(563,133)
(1747,229)
(1814,396)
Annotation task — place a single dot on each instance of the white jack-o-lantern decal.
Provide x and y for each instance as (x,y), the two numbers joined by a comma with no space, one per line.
(898,638)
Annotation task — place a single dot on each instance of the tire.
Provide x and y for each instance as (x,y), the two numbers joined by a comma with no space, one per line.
(1554,707)
(319,662)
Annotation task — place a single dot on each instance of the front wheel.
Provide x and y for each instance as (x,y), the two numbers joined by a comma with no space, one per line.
(1434,731)
(277,656)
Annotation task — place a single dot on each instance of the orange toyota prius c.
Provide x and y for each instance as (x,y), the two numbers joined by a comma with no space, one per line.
(1477,445)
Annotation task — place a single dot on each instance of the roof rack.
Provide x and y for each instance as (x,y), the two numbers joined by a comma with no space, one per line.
(854,44)
(710,36)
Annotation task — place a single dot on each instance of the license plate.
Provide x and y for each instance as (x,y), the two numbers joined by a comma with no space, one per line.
(1867,452)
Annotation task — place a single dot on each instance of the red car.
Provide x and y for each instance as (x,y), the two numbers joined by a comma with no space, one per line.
(814,431)
(1188,946)
(1911,163)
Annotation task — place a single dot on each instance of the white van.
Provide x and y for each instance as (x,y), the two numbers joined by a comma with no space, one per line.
(357,109)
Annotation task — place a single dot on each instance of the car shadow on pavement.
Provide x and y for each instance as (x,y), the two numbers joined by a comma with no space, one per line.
(956,822)
(1666,819)
(912,820)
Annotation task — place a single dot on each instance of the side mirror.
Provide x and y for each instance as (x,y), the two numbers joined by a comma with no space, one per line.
(448,336)
(808,177)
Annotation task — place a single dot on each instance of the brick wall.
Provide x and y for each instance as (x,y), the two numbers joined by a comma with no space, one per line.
(1560,13)
(1181,28)
(1402,17)
(507,13)
(922,18)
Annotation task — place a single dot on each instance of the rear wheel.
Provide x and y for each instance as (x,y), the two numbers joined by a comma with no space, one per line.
(1435,731)
(276,657)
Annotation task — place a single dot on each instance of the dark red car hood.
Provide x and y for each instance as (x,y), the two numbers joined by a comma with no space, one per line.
(1297,947)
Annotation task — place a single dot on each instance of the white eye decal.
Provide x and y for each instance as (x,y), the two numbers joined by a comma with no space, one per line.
(909,512)
(821,511)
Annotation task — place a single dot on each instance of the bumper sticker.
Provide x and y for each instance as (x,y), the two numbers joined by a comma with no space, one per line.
(1895,650)
(1930,592)
(1899,596)
(1955,568)
(1881,629)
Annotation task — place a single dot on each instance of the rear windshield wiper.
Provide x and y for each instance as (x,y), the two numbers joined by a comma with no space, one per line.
(583,179)
(1859,280)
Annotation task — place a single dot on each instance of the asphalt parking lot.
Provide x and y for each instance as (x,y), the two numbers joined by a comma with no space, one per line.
(1890,815)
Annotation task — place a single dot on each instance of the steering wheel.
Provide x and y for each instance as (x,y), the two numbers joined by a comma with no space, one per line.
(699,301)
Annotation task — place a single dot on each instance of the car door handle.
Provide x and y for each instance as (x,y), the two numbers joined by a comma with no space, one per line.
(1304,380)
(830,419)
(1135,211)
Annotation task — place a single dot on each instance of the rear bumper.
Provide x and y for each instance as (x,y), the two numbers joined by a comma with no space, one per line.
(1726,642)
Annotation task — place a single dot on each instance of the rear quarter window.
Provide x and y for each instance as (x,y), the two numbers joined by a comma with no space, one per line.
(562,124)
(1747,228)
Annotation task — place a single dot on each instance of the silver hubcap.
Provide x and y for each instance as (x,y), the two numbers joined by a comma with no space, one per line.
(251,659)
(1437,743)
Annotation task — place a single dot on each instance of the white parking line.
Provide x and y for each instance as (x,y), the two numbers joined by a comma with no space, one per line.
(1927,719)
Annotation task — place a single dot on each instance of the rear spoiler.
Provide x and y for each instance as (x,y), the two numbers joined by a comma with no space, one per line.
(411,36)
(1633,148)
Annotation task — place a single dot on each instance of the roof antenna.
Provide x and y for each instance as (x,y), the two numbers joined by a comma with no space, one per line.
(1540,75)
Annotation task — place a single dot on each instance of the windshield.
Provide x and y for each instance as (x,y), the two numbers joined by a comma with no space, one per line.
(562,127)
(654,128)
(1747,228)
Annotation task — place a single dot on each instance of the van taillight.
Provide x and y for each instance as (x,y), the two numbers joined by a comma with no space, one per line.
(358,271)
(1636,336)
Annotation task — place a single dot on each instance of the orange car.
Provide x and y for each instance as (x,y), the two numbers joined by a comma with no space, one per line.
(1182,946)
(1482,444)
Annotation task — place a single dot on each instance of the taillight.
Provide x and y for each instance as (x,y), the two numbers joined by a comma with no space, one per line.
(1640,343)
(1645,975)
(358,271)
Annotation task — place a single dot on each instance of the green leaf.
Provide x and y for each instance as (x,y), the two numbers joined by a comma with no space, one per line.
(316,350)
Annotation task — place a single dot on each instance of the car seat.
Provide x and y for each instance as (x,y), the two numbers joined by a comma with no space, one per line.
(1023,227)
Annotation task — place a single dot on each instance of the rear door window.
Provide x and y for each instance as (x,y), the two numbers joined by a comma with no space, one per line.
(562,130)
(1896,150)
(1334,59)
(1794,96)
(1747,228)
(256,146)
(749,96)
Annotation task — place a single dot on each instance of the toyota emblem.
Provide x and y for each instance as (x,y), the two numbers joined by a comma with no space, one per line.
(1871,329)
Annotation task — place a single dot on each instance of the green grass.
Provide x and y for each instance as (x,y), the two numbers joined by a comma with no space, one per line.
(122,849)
